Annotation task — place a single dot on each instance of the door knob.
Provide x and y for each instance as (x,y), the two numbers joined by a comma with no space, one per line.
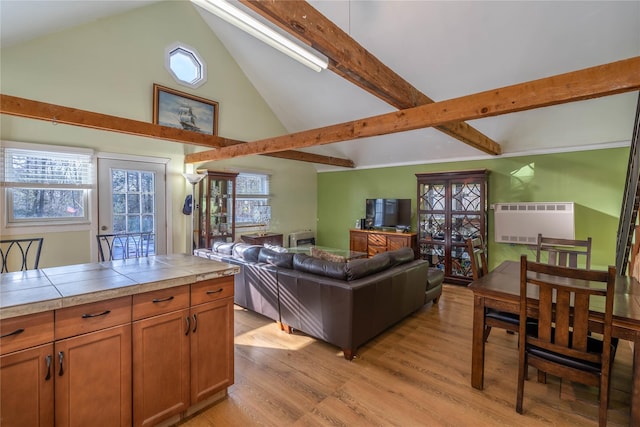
(104,227)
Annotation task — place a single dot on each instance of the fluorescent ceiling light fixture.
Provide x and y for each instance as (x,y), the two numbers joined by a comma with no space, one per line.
(240,19)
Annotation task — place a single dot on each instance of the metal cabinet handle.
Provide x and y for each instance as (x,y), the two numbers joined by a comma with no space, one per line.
(156,300)
(60,360)
(214,292)
(88,316)
(195,323)
(188,325)
(16,332)
(48,362)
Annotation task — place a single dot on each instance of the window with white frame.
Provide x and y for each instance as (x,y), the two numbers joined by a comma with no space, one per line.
(185,65)
(252,200)
(46,186)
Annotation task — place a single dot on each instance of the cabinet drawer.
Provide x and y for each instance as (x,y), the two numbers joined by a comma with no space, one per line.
(92,317)
(27,331)
(210,290)
(159,302)
(377,240)
(374,250)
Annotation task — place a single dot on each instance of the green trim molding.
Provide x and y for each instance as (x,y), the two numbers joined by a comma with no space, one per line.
(594,180)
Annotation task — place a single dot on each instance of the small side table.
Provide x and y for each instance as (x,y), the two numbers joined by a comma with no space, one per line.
(262,238)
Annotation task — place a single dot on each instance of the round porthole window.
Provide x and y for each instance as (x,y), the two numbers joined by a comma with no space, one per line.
(185,65)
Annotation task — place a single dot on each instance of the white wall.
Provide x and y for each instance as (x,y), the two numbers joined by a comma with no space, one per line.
(109,66)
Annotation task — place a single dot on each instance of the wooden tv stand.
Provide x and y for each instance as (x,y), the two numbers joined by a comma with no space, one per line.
(375,241)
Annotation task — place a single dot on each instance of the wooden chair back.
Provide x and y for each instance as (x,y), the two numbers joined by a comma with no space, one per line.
(478,256)
(124,245)
(20,254)
(562,336)
(564,252)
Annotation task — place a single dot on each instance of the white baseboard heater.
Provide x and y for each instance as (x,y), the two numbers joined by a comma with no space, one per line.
(520,223)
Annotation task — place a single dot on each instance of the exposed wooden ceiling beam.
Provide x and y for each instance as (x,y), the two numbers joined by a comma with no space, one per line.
(353,62)
(21,107)
(603,80)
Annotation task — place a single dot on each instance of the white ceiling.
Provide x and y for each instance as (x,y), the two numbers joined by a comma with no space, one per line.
(446,49)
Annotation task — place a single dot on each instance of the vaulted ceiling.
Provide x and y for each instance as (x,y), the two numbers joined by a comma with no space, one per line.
(440,50)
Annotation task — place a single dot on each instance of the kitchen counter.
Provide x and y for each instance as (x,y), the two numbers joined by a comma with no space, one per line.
(35,291)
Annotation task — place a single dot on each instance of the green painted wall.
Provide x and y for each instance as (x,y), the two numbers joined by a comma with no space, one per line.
(593,180)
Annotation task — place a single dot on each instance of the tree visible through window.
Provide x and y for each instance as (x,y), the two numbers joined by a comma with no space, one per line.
(45,186)
(252,199)
(133,204)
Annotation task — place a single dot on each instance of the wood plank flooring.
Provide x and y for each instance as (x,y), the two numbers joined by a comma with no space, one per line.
(415,374)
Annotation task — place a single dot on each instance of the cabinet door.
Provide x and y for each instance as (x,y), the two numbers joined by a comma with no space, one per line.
(211,348)
(161,362)
(26,387)
(397,242)
(93,379)
(358,241)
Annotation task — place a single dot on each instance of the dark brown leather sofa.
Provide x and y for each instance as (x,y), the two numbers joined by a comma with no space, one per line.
(344,304)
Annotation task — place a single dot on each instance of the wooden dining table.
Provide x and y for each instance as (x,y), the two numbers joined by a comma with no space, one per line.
(500,289)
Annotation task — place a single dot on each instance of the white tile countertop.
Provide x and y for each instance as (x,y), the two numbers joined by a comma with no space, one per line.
(34,291)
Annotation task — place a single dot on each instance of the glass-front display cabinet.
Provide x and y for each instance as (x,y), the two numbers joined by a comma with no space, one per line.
(452,207)
(215,208)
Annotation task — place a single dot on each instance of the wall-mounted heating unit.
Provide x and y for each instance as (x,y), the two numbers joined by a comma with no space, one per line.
(521,222)
(302,238)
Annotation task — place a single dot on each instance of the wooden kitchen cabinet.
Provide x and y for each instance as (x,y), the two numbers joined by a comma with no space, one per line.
(26,387)
(211,337)
(93,379)
(26,370)
(144,359)
(182,348)
(161,354)
(93,364)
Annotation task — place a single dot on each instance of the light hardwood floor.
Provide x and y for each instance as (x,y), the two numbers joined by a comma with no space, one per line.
(415,374)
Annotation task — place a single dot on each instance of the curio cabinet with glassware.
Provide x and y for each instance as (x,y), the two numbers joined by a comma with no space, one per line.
(215,208)
(452,207)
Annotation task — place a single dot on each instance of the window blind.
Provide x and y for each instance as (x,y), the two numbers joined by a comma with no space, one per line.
(52,169)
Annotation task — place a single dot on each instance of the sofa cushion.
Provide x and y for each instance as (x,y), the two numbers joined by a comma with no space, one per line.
(247,252)
(322,254)
(401,256)
(320,267)
(225,248)
(359,268)
(279,259)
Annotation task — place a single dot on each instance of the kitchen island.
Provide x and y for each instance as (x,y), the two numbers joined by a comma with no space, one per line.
(130,342)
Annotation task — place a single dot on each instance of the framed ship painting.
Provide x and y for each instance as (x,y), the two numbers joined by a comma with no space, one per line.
(183,111)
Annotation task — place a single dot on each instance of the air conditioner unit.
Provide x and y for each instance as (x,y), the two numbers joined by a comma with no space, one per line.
(302,238)
(521,222)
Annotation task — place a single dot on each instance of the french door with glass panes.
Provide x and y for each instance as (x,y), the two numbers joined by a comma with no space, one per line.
(131,198)
(452,207)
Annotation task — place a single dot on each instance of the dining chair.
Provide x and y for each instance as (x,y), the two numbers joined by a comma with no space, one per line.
(492,318)
(24,253)
(562,343)
(564,252)
(124,245)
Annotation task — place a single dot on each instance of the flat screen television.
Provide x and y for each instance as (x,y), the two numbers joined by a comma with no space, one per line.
(388,213)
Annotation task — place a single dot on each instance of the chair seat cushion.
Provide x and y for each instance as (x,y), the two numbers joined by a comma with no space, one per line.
(503,316)
(594,345)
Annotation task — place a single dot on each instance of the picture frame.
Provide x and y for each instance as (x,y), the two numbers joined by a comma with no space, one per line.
(184,111)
